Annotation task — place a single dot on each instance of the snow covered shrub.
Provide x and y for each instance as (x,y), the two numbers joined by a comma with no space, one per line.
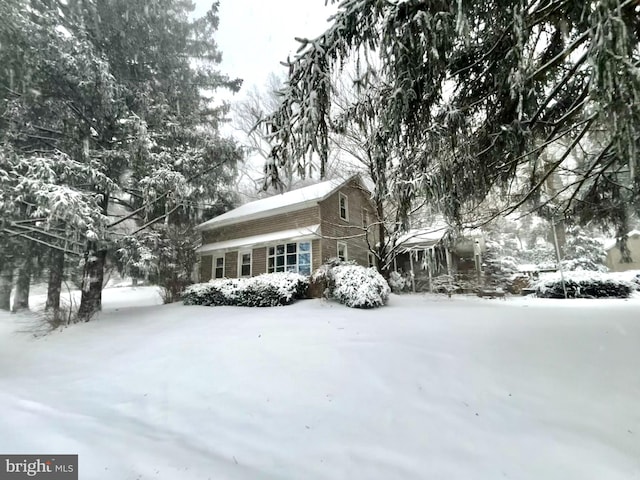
(631,276)
(498,270)
(399,283)
(320,281)
(583,251)
(266,290)
(583,284)
(445,284)
(358,287)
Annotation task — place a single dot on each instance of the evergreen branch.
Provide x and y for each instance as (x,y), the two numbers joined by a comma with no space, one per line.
(559,57)
(590,170)
(484,56)
(44,232)
(554,165)
(557,88)
(42,242)
(553,137)
(156,220)
(164,195)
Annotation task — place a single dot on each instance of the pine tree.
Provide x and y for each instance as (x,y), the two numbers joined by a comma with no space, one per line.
(107,108)
(481,90)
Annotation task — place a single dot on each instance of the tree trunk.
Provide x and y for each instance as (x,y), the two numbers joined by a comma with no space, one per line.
(23,285)
(56,272)
(92,278)
(383,269)
(6,283)
(95,260)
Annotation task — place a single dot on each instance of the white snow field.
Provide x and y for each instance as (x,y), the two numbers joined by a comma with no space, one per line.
(425,388)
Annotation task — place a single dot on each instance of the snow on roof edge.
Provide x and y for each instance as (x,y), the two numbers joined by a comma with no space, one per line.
(301,232)
(423,235)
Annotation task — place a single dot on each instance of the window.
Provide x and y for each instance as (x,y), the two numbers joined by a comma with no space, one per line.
(342,251)
(365,218)
(343,206)
(290,257)
(372,260)
(244,265)
(218,267)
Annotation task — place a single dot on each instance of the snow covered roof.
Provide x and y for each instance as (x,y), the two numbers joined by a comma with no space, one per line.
(303,233)
(609,244)
(282,203)
(422,237)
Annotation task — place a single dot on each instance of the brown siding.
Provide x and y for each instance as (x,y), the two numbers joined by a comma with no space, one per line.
(334,227)
(205,267)
(231,264)
(260,226)
(316,254)
(259,261)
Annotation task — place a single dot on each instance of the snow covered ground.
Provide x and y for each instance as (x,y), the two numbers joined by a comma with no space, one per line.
(425,388)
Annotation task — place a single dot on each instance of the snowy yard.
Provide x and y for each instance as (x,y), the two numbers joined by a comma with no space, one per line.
(425,388)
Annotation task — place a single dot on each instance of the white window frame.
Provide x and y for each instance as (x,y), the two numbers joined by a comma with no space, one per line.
(342,196)
(213,266)
(240,254)
(346,250)
(297,264)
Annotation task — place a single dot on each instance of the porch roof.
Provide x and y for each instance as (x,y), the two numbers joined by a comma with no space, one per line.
(419,239)
(302,233)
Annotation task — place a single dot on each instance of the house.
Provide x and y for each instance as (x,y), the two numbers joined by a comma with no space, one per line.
(294,231)
(614,255)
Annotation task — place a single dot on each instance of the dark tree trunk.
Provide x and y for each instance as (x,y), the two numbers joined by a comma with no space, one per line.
(93,275)
(56,272)
(382,255)
(6,284)
(92,278)
(23,285)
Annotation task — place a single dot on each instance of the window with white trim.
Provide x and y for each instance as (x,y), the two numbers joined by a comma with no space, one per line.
(218,267)
(342,251)
(372,260)
(244,264)
(343,206)
(290,257)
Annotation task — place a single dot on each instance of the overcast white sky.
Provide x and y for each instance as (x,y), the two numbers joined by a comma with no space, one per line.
(256,35)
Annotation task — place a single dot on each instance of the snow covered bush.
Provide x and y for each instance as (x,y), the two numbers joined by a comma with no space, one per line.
(584,284)
(583,251)
(631,276)
(266,290)
(498,270)
(399,283)
(445,284)
(358,287)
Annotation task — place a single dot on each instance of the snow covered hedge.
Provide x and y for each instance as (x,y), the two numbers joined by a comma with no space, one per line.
(584,284)
(353,285)
(266,290)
